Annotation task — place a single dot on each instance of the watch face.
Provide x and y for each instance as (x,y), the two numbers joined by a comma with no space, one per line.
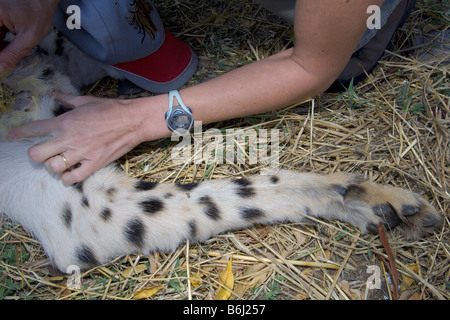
(179,119)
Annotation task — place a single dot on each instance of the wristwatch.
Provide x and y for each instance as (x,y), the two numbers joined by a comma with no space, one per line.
(178,116)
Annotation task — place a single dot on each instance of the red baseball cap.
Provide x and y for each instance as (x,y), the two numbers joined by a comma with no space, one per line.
(166,69)
(130,37)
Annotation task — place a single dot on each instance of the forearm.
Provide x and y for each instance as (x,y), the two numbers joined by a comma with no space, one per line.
(262,86)
(265,85)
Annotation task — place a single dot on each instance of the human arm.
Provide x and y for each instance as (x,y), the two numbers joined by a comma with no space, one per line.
(326,33)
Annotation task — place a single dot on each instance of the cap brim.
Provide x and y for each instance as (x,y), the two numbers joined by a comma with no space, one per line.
(169,68)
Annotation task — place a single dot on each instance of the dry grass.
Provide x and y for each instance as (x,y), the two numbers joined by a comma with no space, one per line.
(392,128)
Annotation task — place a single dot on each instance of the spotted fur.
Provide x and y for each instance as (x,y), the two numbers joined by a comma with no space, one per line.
(110,214)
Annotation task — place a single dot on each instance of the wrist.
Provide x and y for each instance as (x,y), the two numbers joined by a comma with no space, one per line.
(151,118)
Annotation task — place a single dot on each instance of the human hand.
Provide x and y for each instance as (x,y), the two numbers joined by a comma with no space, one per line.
(93,134)
(29,21)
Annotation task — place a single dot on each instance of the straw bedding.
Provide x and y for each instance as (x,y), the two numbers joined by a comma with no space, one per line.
(392,128)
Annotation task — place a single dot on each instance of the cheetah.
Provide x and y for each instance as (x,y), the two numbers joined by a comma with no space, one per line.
(110,214)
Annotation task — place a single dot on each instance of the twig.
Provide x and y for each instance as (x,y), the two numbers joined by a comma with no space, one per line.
(392,266)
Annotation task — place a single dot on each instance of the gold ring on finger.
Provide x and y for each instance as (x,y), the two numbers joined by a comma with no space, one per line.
(65,160)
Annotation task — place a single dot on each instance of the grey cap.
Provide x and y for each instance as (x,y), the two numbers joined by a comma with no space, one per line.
(128,35)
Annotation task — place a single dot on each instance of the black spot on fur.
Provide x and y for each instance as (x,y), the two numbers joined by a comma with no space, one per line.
(152,206)
(246,192)
(134,232)
(38,50)
(85,201)
(59,45)
(145,185)
(274,179)
(340,189)
(243,182)
(60,109)
(249,213)
(382,209)
(46,74)
(167,195)
(409,210)
(111,193)
(210,208)
(85,255)
(78,186)
(387,214)
(353,191)
(187,186)
(67,215)
(106,214)
(308,211)
(192,229)
(245,189)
